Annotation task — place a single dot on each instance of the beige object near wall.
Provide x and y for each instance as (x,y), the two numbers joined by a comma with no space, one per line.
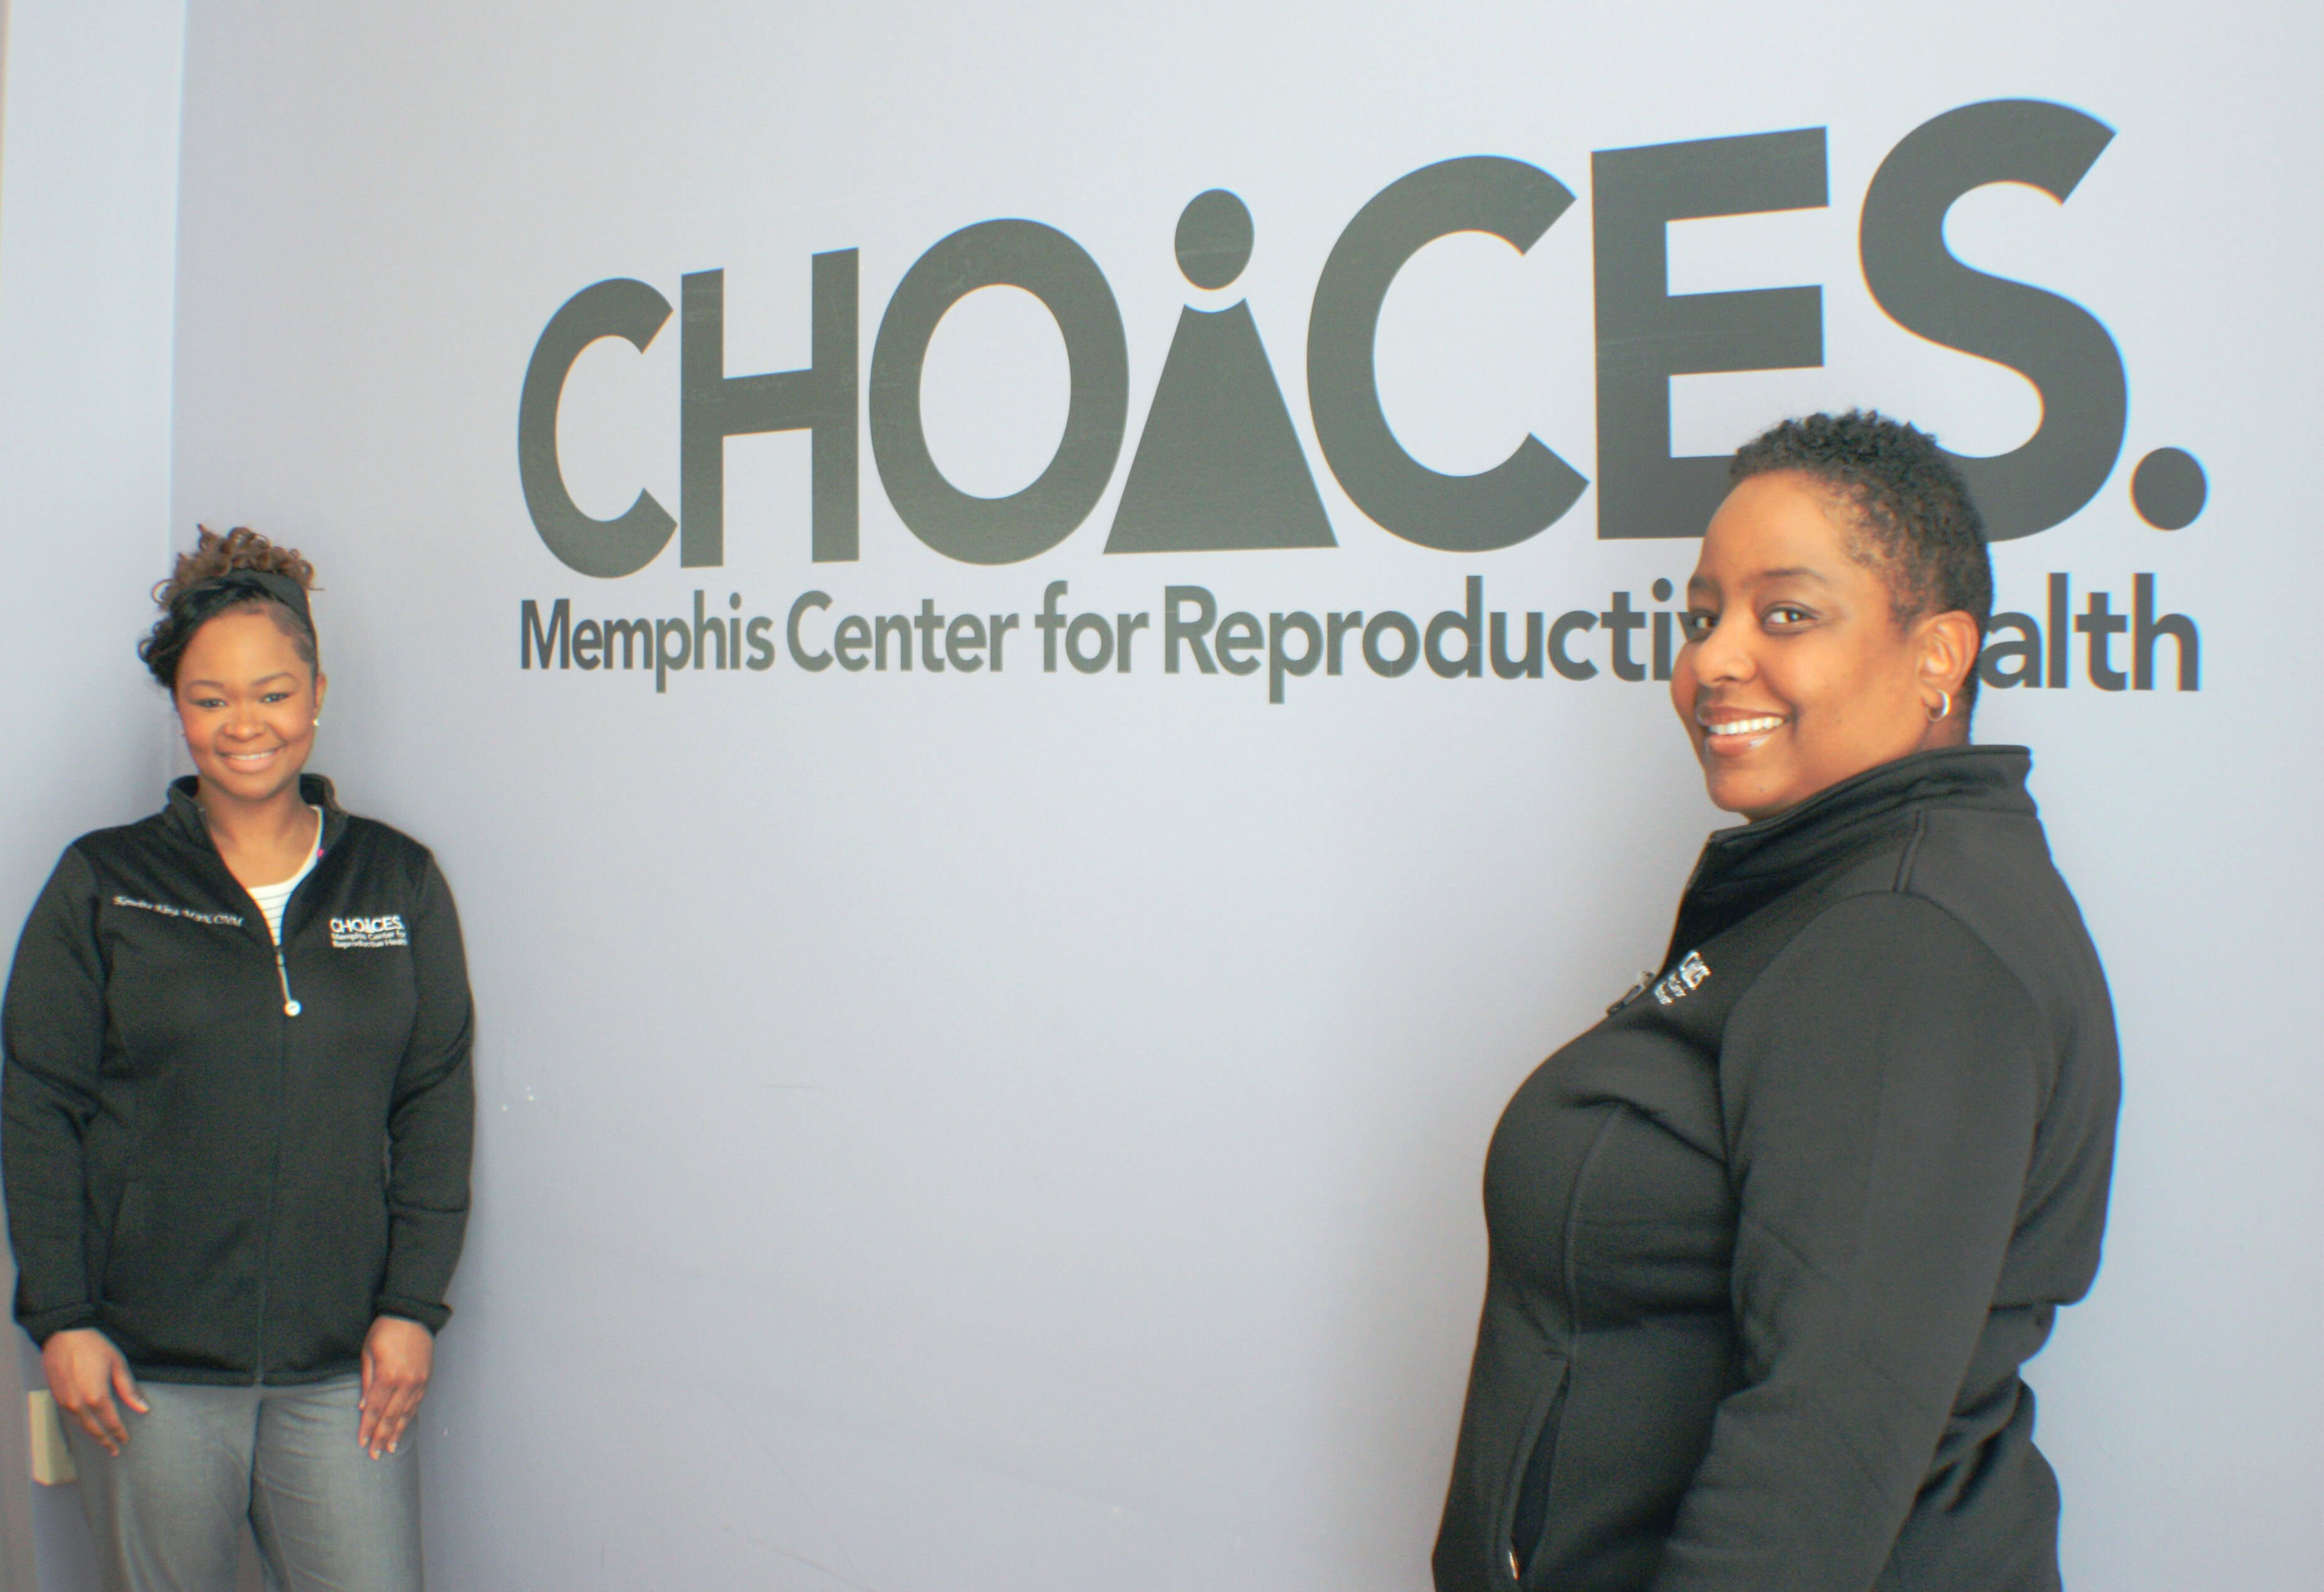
(52,1459)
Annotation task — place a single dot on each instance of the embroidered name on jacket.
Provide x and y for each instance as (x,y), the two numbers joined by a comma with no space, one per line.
(363,933)
(1683,978)
(228,920)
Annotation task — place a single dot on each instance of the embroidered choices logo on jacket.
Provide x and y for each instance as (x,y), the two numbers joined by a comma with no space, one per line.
(1689,973)
(366,934)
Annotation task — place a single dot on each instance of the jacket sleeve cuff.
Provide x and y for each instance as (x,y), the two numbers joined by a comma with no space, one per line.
(431,1316)
(43,1325)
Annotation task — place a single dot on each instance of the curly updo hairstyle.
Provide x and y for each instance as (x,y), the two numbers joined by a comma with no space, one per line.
(1913,522)
(195,594)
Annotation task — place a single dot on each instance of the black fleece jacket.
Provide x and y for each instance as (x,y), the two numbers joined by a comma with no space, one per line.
(1770,1243)
(227,1161)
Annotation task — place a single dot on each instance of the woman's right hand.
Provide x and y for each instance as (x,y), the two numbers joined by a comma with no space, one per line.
(85,1373)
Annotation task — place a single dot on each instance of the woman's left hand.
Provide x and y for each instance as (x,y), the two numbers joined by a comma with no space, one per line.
(396,1358)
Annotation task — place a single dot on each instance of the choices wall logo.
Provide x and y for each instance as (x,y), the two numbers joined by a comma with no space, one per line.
(1219,467)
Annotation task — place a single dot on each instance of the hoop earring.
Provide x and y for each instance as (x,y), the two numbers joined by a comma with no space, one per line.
(1944,709)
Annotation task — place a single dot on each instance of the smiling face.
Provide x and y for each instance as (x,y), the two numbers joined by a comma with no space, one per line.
(1796,673)
(247,703)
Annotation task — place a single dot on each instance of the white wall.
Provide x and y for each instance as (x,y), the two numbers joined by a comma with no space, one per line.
(88,210)
(1019,1131)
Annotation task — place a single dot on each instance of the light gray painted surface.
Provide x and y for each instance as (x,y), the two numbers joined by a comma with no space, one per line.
(979,1131)
(88,210)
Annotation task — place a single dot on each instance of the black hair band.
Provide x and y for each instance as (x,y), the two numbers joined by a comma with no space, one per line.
(204,598)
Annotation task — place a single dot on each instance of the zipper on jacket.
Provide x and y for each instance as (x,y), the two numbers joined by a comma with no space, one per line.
(281,969)
(1647,978)
(290,1004)
(291,1009)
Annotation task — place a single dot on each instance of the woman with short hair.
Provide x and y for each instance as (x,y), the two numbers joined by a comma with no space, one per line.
(236,1115)
(1771,1241)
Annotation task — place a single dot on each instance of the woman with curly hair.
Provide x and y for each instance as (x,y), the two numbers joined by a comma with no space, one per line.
(235,1127)
(1770,1242)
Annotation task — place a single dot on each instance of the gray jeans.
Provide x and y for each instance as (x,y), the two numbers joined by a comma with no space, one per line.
(168,1512)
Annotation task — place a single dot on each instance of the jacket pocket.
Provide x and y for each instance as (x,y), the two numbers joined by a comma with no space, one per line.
(1516,1389)
(180,1285)
(101,1218)
(1524,1515)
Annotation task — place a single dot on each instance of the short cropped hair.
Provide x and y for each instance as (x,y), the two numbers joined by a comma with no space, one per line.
(1914,524)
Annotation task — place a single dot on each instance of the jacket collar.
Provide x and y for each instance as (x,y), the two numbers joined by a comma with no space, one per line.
(1744,868)
(183,813)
